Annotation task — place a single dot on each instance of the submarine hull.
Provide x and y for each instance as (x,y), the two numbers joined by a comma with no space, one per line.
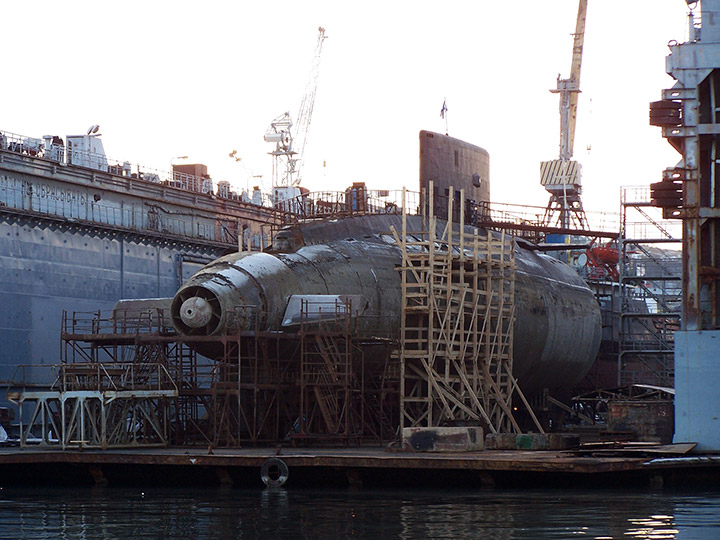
(557,326)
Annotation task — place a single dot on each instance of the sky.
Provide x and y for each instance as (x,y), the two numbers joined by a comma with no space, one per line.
(165,79)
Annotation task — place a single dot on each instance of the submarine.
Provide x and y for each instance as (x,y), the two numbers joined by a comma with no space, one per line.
(557,328)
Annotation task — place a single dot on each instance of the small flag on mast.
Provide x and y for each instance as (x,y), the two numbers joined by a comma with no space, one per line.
(443,111)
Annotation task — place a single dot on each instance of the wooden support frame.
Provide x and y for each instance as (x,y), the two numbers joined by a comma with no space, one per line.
(456,340)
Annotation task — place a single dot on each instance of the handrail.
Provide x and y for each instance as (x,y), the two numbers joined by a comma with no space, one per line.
(36,147)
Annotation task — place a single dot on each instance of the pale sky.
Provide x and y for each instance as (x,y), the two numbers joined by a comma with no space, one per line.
(167,79)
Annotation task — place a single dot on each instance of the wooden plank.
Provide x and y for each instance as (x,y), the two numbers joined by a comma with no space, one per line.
(679,449)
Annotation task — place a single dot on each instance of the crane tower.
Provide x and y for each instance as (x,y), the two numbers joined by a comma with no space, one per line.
(561,177)
(290,143)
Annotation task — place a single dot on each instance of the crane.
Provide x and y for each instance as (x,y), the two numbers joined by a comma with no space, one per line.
(290,143)
(561,177)
(307,105)
(570,88)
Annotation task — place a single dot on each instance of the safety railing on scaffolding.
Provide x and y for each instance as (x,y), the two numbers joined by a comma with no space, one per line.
(92,376)
(117,322)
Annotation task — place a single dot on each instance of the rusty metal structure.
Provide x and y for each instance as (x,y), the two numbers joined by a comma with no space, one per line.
(284,358)
(296,343)
(459,361)
(128,380)
(528,222)
(100,397)
(356,200)
(650,273)
(688,115)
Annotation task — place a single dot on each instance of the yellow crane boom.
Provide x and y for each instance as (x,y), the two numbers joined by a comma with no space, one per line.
(578,42)
(561,177)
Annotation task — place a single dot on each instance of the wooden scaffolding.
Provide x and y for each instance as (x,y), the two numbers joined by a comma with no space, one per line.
(456,341)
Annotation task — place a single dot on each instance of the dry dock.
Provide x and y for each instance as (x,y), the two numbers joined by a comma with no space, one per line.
(366,467)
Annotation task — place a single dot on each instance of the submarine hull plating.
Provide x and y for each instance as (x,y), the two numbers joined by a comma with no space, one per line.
(557,326)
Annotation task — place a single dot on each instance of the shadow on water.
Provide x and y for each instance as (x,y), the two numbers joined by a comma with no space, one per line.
(212,513)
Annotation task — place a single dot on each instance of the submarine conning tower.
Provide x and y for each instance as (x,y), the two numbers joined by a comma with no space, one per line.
(557,328)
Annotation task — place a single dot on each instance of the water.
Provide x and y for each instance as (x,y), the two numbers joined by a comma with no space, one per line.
(205,513)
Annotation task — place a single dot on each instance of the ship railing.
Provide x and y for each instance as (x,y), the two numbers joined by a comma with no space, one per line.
(650,332)
(351,202)
(635,195)
(659,266)
(332,316)
(32,377)
(347,318)
(56,152)
(53,149)
(144,321)
(643,221)
(608,222)
(117,376)
(379,325)
(323,316)
(640,229)
(21,144)
(361,201)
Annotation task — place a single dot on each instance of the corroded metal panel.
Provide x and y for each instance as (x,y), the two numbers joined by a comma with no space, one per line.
(695,132)
(648,420)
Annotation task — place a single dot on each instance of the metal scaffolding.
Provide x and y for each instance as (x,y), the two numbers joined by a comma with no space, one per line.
(650,278)
(327,385)
(127,379)
(94,405)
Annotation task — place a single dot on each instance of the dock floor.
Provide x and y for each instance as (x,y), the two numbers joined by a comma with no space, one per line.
(350,466)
